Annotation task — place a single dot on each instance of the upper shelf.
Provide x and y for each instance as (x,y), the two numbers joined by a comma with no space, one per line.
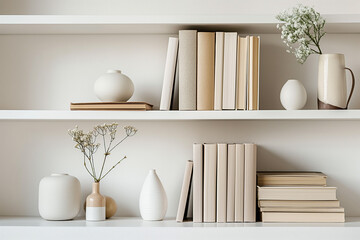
(83,24)
(180,115)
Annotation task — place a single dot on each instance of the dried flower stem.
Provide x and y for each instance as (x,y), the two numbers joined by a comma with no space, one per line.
(86,143)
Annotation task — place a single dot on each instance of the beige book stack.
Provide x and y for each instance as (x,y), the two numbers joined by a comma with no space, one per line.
(297,197)
(224,183)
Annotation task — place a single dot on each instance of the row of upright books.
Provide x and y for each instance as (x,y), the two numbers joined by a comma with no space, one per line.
(223,180)
(216,71)
(297,197)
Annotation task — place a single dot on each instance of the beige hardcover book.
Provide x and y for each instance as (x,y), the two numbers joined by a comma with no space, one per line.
(197,179)
(310,209)
(299,203)
(239,182)
(205,71)
(221,182)
(219,63)
(242,72)
(209,182)
(250,183)
(291,178)
(184,196)
(229,74)
(230,213)
(302,217)
(296,193)
(108,106)
(253,86)
(187,69)
(169,74)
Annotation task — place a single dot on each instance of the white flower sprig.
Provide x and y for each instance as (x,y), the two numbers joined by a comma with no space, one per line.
(301,31)
(86,143)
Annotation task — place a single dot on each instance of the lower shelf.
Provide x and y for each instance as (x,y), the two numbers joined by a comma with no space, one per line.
(135,228)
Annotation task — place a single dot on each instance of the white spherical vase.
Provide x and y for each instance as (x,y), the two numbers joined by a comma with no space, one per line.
(293,95)
(153,200)
(59,197)
(113,86)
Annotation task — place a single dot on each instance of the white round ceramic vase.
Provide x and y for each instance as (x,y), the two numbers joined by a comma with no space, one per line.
(59,197)
(153,200)
(293,95)
(113,86)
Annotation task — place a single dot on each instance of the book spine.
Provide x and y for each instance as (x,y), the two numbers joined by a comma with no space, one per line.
(205,71)
(198,182)
(169,74)
(187,69)
(221,182)
(250,183)
(250,89)
(239,182)
(230,206)
(209,182)
(184,191)
(229,74)
(219,63)
(254,60)
(242,72)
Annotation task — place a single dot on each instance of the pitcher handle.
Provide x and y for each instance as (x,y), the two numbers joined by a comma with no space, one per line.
(352,86)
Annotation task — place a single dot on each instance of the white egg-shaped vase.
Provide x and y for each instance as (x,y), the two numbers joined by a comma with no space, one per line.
(113,86)
(153,200)
(293,95)
(59,197)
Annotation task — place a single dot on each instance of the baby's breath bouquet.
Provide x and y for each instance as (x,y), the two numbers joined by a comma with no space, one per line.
(301,31)
(87,144)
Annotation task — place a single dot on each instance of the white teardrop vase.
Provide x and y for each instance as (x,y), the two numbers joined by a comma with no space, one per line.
(153,200)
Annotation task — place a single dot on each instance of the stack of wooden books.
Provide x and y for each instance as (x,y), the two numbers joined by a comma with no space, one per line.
(223,183)
(216,71)
(297,197)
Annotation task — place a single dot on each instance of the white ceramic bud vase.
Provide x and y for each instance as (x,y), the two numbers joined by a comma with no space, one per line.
(293,95)
(59,197)
(153,200)
(113,86)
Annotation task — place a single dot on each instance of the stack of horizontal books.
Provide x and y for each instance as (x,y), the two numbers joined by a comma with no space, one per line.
(297,197)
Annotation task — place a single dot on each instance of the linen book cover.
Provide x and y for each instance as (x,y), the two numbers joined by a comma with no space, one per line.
(187,69)
(205,71)
(219,63)
(169,74)
(221,182)
(198,182)
(229,76)
(209,182)
(185,191)
(239,182)
(230,214)
(250,183)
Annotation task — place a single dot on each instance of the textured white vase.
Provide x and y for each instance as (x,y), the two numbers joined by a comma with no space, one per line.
(113,86)
(293,95)
(59,197)
(153,200)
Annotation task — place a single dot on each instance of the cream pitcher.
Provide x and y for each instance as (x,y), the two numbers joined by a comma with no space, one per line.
(332,82)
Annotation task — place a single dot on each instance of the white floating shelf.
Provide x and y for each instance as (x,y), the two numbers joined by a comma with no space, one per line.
(83,24)
(134,228)
(180,115)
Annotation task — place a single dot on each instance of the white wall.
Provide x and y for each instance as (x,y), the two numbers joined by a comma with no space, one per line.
(50,71)
(169,7)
